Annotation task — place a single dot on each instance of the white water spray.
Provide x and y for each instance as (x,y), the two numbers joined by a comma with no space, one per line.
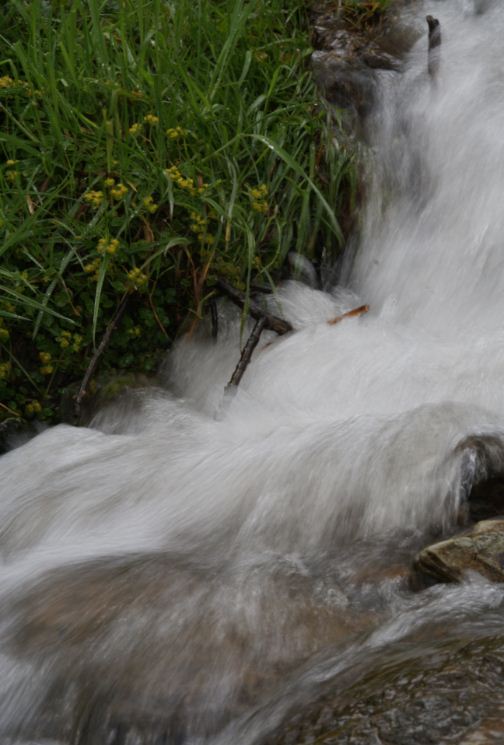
(193,554)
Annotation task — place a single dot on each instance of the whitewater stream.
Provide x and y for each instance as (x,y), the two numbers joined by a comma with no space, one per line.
(193,568)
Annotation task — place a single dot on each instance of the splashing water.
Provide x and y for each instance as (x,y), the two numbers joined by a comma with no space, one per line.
(191,566)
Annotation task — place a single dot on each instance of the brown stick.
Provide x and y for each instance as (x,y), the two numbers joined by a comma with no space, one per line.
(349,314)
(247,352)
(271,322)
(214,315)
(91,369)
(434,43)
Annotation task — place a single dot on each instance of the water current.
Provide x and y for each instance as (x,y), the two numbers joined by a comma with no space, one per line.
(194,567)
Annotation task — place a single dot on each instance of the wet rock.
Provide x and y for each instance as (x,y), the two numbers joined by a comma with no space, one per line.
(479,550)
(454,694)
(348,54)
(135,649)
(486,499)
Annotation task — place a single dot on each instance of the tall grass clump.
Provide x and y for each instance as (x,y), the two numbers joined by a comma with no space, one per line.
(147,147)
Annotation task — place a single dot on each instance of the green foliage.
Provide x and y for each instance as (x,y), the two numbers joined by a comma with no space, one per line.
(147,147)
(364,12)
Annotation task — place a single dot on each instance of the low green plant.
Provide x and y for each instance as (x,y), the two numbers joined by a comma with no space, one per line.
(148,146)
(364,12)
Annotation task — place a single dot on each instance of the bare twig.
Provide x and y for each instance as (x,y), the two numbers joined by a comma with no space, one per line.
(214,315)
(349,314)
(91,369)
(434,44)
(247,352)
(271,322)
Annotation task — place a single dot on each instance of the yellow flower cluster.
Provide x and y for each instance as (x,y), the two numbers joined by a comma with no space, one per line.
(67,339)
(33,407)
(258,198)
(45,358)
(92,268)
(11,175)
(135,331)
(119,191)
(176,133)
(184,183)
(150,205)
(199,226)
(5,368)
(95,198)
(137,277)
(109,182)
(64,339)
(135,128)
(7,82)
(107,246)
(151,119)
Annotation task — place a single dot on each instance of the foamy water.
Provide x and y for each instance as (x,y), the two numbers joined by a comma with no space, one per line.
(210,556)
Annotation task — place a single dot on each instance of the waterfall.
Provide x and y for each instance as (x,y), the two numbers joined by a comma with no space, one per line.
(189,556)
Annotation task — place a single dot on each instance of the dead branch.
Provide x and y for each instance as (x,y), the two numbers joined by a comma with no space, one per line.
(271,322)
(349,314)
(434,44)
(93,364)
(214,315)
(247,352)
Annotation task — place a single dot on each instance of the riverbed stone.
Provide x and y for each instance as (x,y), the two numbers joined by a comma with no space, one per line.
(480,550)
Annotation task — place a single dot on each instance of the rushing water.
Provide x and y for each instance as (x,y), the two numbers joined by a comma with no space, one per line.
(193,567)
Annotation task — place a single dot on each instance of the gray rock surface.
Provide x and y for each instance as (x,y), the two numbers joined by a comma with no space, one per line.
(480,549)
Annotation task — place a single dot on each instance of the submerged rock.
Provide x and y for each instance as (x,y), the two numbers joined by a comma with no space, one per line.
(452,694)
(479,550)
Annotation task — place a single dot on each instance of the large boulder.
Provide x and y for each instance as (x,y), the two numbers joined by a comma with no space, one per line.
(480,549)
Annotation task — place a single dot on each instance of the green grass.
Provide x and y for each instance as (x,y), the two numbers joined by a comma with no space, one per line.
(147,147)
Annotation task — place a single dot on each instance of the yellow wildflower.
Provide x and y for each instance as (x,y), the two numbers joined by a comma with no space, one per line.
(258,198)
(77,342)
(135,128)
(94,198)
(33,407)
(45,357)
(150,205)
(259,192)
(106,245)
(47,369)
(175,133)
(137,277)
(11,176)
(109,182)
(6,82)
(135,331)
(92,266)
(10,163)
(64,339)
(5,368)
(119,191)
(260,206)
(151,119)
(206,238)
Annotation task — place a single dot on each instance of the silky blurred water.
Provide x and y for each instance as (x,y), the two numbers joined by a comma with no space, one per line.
(194,565)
